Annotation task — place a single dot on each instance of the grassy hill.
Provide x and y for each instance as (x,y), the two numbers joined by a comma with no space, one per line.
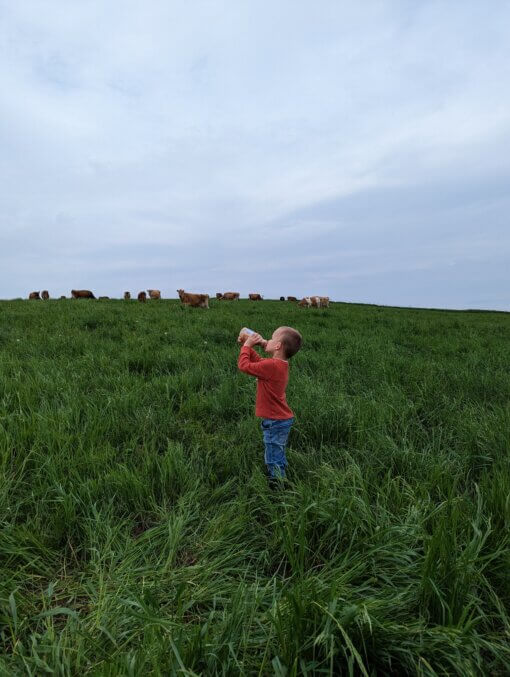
(137,533)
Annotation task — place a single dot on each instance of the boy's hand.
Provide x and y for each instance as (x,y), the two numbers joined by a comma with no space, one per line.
(253,340)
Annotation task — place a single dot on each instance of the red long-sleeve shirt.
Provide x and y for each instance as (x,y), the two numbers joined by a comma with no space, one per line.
(272,378)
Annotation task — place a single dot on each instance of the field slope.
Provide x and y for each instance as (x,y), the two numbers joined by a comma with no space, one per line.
(137,533)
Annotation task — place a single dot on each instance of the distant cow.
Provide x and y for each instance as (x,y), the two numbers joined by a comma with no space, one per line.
(127,296)
(324,301)
(44,295)
(218,295)
(292,298)
(194,300)
(82,294)
(309,302)
(154,294)
(282,298)
(62,298)
(34,296)
(142,297)
(230,296)
(255,297)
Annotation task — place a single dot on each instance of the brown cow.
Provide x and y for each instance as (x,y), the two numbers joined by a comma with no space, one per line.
(230,296)
(219,295)
(324,301)
(127,296)
(310,302)
(142,297)
(45,295)
(34,296)
(255,297)
(194,300)
(154,294)
(82,294)
(292,298)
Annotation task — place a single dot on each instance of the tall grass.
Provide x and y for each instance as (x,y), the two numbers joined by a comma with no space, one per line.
(138,535)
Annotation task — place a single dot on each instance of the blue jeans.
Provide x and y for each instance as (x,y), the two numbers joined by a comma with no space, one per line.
(275,433)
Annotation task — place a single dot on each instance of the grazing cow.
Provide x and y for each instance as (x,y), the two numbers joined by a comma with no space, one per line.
(104,298)
(255,297)
(34,296)
(82,294)
(282,298)
(193,300)
(142,297)
(44,295)
(324,301)
(219,295)
(312,301)
(127,296)
(62,298)
(154,294)
(292,298)
(230,296)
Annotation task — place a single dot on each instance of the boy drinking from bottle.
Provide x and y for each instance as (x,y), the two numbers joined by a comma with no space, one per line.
(272,377)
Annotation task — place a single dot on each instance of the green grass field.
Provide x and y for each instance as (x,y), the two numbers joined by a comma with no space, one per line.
(138,535)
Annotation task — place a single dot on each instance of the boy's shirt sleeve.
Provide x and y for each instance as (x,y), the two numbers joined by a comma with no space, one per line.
(251,363)
(254,356)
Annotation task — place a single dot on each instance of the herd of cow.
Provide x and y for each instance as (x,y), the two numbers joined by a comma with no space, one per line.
(187,299)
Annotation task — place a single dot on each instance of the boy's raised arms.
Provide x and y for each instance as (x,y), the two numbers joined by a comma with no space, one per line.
(251,363)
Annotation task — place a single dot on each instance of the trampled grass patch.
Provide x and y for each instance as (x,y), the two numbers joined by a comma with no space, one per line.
(138,535)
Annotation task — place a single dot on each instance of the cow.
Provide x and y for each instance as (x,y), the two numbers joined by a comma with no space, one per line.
(255,297)
(219,295)
(324,301)
(282,298)
(34,296)
(310,302)
(230,296)
(193,300)
(62,298)
(82,294)
(292,298)
(142,297)
(154,294)
(127,296)
(44,295)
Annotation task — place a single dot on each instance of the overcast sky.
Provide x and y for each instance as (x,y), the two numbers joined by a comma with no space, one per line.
(356,150)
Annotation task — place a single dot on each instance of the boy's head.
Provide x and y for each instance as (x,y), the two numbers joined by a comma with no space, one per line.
(285,339)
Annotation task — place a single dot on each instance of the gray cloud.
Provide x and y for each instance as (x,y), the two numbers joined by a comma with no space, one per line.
(283,148)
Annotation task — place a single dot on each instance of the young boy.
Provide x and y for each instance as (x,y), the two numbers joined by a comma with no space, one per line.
(272,378)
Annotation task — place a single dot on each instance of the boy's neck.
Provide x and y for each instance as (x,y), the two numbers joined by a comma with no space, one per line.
(279,355)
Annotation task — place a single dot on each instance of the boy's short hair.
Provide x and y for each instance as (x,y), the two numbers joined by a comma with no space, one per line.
(291,340)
